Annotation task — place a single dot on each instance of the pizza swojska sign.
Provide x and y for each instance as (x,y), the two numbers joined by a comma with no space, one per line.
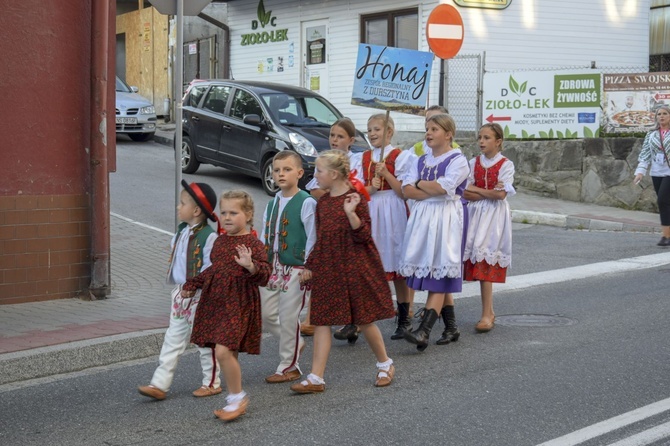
(392,79)
(631,100)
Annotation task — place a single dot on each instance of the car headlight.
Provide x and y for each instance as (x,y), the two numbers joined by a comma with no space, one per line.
(302,145)
(148,110)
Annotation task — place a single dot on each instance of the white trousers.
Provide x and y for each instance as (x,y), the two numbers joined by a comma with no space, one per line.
(177,338)
(282,300)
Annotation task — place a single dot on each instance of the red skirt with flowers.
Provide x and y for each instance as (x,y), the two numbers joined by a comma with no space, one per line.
(485,272)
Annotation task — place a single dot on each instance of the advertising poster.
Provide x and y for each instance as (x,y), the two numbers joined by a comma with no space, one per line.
(392,79)
(543,104)
(631,100)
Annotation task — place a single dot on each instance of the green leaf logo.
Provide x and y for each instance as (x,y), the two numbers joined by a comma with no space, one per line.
(516,88)
(263,17)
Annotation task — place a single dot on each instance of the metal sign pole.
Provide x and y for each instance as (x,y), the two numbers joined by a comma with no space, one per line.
(178,87)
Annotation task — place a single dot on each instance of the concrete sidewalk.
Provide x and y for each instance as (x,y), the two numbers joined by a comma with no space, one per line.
(48,338)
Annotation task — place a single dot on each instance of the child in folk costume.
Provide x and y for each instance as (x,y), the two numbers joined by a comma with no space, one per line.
(229,316)
(383,169)
(342,136)
(405,314)
(191,247)
(488,249)
(433,244)
(288,234)
(344,259)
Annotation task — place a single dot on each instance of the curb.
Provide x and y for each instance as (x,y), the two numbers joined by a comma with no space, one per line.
(79,355)
(570,222)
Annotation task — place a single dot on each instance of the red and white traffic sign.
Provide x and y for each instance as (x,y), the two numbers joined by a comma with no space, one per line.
(445,31)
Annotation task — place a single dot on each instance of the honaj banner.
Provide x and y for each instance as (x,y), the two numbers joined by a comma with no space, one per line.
(392,79)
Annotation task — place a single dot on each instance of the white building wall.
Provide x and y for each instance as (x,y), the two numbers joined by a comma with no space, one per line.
(529,34)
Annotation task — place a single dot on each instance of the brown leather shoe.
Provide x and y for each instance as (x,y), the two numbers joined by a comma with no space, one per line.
(206,391)
(307,387)
(483,327)
(306,330)
(385,378)
(230,415)
(152,392)
(285,377)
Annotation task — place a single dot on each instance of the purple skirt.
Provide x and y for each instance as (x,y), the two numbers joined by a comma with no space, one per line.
(446,284)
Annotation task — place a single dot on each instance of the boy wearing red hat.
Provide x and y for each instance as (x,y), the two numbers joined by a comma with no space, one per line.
(191,247)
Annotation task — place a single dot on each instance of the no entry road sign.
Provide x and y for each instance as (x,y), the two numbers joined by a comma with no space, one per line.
(445,31)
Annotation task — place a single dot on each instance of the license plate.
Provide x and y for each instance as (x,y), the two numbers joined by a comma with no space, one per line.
(126,120)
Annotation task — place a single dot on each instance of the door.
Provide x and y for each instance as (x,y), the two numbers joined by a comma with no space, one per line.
(209,122)
(241,144)
(315,47)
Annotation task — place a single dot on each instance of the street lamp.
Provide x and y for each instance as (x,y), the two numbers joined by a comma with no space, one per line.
(179,8)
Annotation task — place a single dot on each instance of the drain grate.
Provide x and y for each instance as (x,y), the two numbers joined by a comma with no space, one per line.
(534,320)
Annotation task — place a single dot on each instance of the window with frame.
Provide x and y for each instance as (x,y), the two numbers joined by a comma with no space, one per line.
(398,29)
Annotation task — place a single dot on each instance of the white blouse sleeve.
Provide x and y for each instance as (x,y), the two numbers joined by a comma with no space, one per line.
(471,175)
(313,184)
(356,163)
(207,251)
(403,165)
(308,217)
(412,174)
(457,172)
(506,176)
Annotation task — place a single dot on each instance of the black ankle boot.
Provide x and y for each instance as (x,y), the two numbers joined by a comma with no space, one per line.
(450,333)
(404,323)
(347,333)
(420,335)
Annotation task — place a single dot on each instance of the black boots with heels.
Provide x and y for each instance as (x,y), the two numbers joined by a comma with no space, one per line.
(450,333)
(420,336)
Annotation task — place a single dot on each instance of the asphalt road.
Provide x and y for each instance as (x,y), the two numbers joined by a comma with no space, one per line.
(562,358)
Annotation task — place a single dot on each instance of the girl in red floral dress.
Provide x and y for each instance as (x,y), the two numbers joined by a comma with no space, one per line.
(488,247)
(229,313)
(345,259)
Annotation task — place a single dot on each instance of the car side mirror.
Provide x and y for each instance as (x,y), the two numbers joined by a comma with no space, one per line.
(253,120)
(134,89)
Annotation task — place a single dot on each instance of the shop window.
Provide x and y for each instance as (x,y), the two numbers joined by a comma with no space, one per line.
(398,29)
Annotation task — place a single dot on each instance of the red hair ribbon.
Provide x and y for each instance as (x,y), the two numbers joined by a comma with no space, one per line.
(360,187)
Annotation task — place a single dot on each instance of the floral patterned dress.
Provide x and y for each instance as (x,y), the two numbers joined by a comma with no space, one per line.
(348,283)
(229,312)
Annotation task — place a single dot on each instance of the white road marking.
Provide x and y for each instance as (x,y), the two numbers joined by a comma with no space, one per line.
(144,225)
(613,424)
(524,281)
(646,437)
(436,31)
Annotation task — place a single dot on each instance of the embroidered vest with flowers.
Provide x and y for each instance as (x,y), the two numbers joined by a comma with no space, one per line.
(369,167)
(487,178)
(292,237)
(196,246)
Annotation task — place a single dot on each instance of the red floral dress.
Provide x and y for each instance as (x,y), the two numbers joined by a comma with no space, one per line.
(348,283)
(229,312)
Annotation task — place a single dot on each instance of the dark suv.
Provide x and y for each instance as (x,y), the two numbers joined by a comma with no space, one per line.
(241,125)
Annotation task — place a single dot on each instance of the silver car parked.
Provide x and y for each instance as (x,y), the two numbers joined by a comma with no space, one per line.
(135,115)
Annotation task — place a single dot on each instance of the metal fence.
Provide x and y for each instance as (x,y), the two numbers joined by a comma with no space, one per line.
(200,60)
(462,88)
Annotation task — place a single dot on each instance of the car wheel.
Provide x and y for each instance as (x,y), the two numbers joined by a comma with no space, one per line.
(141,137)
(189,164)
(266,177)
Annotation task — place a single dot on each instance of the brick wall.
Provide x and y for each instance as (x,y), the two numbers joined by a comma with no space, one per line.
(44,247)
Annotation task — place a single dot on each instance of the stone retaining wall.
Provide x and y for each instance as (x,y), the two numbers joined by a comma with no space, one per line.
(590,170)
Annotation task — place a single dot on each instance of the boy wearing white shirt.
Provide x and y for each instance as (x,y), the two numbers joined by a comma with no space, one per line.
(191,247)
(289,233)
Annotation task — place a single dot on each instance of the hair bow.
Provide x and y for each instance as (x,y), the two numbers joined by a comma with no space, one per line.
(356,183)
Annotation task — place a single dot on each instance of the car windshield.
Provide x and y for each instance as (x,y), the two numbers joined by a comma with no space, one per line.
(300,111)
(122,86)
